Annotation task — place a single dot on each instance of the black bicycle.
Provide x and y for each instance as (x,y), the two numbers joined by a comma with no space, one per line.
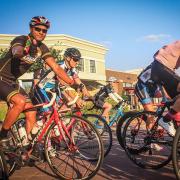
(148,148)
(3,167)
(176,153)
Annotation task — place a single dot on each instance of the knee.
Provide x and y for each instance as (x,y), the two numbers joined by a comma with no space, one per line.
(108,106)
(20,103)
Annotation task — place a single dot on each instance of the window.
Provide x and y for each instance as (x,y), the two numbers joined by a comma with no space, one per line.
(125,84)
(92,66)
(81,65)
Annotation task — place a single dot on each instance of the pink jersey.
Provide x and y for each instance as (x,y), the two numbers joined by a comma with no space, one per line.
(169,55)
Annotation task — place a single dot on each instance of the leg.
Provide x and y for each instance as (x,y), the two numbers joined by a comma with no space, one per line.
(107,107)
(18,103)
(30,118)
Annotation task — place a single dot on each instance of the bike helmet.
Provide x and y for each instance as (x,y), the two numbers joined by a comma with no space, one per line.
(112,79)
(39,20)
(73,53)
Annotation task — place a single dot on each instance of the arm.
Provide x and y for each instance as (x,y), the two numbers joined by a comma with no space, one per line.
(118,96)
(58,70)
(82,87)
(111,95)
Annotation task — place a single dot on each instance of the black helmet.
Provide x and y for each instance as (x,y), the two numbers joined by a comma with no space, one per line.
(73,53)
(39,20)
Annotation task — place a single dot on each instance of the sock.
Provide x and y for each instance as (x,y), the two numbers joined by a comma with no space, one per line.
(4,133)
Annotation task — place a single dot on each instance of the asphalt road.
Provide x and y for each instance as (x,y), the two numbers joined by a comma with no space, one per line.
(116,166)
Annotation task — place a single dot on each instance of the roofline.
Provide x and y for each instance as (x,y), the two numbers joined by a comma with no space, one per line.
(66,37)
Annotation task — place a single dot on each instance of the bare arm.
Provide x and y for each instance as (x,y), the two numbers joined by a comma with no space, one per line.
(111,95)
(118,96)
(84,89)
(58,70)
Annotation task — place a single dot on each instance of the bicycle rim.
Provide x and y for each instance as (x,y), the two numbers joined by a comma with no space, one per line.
(144,150)
(78,162)
(120,127)
(176,154)
(3,167)
(103,129)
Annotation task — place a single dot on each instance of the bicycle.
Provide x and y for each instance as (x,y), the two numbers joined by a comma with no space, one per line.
(123,120)
(104,130)
(60,141)
(140,143)
(176,153)
(120,118)
(3,167)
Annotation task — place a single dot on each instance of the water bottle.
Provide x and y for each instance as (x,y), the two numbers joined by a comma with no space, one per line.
(56,131)
(23,134)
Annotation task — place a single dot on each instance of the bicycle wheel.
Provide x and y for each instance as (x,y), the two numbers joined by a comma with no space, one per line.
(77,161)
(3,167)
(120,126)
(10,163)
(147,149)
(104,130)
(176,153)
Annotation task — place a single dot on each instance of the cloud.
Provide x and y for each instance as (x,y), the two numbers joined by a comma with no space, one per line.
(155,37)
(107,44)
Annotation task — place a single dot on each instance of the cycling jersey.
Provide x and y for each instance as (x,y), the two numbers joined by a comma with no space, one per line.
(12,68)
(169,55)
(49,78)
(49,81)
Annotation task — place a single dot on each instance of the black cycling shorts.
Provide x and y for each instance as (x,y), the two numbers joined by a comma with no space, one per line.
(9,89)
(165,76)
(99,103)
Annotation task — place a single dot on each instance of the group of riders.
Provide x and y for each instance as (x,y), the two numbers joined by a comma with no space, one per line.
(26,50)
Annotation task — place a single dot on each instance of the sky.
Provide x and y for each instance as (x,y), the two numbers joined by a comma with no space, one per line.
(131,30)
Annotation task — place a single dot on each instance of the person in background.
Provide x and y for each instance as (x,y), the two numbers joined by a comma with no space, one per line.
(108,90)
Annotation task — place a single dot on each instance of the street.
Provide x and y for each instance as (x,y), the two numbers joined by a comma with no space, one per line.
(116,166)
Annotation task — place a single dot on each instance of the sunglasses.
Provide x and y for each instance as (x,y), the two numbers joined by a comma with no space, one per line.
(75,60)
(40,30)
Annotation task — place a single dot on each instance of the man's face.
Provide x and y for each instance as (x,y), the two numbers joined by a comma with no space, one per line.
(73,62)
(39,32)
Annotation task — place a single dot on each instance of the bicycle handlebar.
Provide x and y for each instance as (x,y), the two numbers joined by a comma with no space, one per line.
(52,99)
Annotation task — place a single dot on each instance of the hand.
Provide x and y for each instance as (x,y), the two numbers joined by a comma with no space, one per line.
(80,103)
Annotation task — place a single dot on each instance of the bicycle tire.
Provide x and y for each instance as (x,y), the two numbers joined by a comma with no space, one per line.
(104,131)
(175,153)
(140,151)
(120,126)
(73,164)
(3,167)
(11,166)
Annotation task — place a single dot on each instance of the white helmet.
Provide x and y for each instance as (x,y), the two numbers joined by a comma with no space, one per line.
(112,79)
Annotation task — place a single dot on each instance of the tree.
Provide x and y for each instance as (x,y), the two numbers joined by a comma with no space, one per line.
(3,52)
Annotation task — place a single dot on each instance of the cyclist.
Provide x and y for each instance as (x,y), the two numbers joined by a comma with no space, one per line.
(162,71)
(107,91)
(71,60)
(23,52)
(166,61)
(146,89)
